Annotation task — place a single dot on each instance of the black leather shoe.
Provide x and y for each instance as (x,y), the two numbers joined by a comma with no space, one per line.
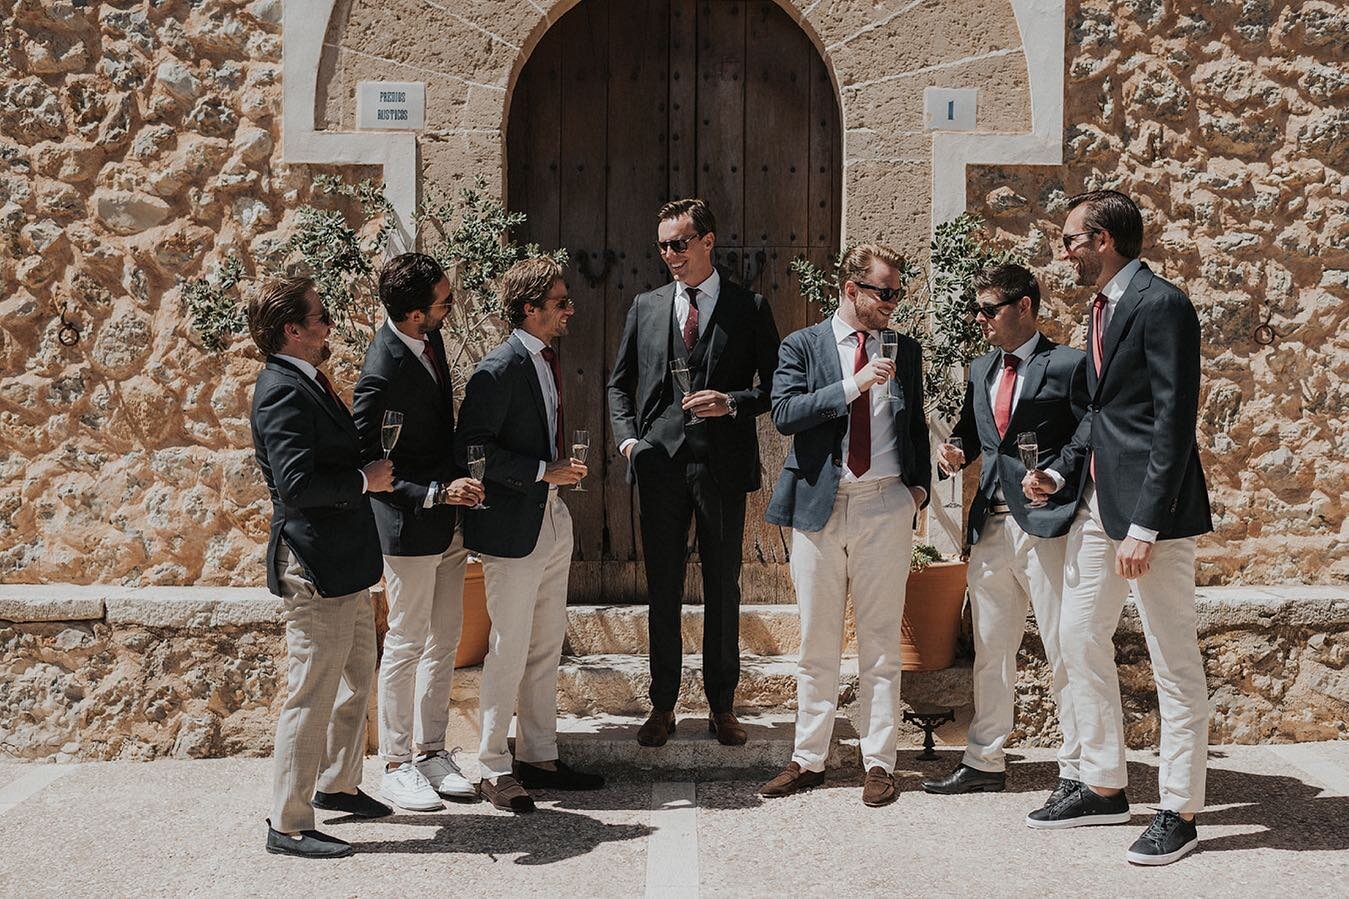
(1083,807)
(358,804)
(965,779)
(311,844)
(1168,838)
(533,777)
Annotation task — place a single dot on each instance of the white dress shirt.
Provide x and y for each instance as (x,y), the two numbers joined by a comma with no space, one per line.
(884,445)
(545,372)
(1022,353)
(313,374)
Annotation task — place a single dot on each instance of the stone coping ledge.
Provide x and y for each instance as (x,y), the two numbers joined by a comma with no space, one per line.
(209,607)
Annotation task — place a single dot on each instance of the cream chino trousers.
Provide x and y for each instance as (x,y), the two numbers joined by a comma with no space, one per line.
(527,602)
(1010,569)
(1093,598)
(426,614)
(864,549)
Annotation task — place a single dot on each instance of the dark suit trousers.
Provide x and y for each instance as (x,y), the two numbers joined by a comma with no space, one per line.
(671,494)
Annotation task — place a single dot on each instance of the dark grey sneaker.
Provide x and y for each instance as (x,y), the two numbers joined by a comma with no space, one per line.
(1081,808)
(1168,838)
(1065,786)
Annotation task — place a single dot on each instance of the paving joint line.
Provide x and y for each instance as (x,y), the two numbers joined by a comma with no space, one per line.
(30,784)
(672,847)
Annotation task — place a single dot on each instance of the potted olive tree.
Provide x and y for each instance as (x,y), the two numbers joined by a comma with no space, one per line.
(342,245)
(936,314)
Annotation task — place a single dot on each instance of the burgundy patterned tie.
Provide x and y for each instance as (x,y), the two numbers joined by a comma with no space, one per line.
(328,386)
(1097,326)
(691,321)
(859,418)
(430,356)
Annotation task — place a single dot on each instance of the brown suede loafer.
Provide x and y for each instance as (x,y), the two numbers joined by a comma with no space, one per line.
(657,728)
(879,787)
(507,794)
(729,731)
(792,780)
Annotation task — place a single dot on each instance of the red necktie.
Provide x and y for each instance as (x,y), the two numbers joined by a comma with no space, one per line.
(859,418)
(328,386)
(691,321)
(1097,326)
(1002,406)
(550,355)
(431,358)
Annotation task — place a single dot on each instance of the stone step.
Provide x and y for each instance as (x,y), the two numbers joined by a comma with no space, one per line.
(764,629)
(607,744)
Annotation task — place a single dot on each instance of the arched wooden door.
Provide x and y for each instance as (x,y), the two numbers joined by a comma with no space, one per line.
(624,105)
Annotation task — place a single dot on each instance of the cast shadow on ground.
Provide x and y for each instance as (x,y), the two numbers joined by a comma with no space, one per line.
(543,837)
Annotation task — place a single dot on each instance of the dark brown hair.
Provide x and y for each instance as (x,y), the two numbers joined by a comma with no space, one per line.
(1010,282)
(407,284)
(703,220)
(527,283)
(1110,210)
(277,303)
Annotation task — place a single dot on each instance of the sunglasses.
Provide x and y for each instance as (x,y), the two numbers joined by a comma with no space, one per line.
(990,310)
(884,294)
(323,317)
(678,245)
(1069,239)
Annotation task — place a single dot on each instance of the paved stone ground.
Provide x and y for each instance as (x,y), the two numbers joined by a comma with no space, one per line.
(1278,823)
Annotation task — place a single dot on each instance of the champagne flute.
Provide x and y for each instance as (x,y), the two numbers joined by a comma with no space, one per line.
(580,444)
(680,370)
(890,350)
(389,431)
(477,467)
(953,503)
(1028,445)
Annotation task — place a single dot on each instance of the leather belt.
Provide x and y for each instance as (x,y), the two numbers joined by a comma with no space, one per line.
(999,509)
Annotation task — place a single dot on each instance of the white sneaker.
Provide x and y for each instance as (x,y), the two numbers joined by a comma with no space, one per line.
(444,775)
(406,788)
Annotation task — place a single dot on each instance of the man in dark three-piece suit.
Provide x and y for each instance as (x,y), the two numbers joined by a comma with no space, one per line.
(514,411)
(694,454)
(322,557)
(1133,468)
(1027,383)
(857,474)
(406,373)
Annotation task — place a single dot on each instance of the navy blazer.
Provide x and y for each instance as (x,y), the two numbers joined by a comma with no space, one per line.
(1141,416)
(310,455)
(393,377)
(809,406)
(1053,400)
(503,411)
(742,345)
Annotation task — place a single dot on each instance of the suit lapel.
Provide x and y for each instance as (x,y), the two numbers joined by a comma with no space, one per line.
(657,327)
(715,335)
(1124,312)
(339,413)
(437,344)
(1033,379)
(981,375)
(532,378)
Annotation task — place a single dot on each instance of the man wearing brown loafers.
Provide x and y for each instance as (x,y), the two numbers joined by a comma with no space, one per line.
(856,477)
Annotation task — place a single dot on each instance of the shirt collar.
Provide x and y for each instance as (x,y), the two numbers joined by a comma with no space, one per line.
(1024,352)
(709,289)
(416,344)
(301,365)
(531,343)
(843,331)
(1120,283)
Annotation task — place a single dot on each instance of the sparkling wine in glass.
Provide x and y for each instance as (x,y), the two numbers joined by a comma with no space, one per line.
(1028,445)
(890,350)
(477,467)
(580,445)
(679,369)
(953,503)
(389,431)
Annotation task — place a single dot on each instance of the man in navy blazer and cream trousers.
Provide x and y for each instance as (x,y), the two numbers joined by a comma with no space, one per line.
(1133,466)
(1027,382)
(857,474)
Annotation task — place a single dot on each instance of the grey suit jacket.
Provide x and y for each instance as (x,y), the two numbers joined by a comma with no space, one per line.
(1053,400)
(809,406)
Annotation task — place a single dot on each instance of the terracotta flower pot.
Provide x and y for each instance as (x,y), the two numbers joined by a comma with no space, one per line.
(473,636)
(932,607)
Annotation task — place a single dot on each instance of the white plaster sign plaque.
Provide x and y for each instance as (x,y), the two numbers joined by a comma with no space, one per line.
(949,108)
(391,105)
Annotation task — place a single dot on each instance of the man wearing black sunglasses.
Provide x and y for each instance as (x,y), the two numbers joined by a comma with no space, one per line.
(694,453)
(1027,382)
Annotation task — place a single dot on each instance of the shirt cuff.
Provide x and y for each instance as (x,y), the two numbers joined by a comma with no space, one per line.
(850,390)
(365,482)
(430,495)
(1138,532)
(543,466)
(1057,478)
(623,447)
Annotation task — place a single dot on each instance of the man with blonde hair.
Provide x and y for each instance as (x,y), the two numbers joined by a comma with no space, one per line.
(513,410)
(856,477)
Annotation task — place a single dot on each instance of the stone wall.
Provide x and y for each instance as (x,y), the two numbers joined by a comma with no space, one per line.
(1228,121)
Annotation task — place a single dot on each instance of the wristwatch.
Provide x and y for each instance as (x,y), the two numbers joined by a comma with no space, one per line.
(730,405)
(440,488)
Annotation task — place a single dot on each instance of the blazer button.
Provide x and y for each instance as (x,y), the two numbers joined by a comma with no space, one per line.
(541,505)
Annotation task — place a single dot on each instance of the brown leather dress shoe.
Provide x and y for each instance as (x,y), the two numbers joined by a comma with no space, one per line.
(507,794)
(729,731)
(792,780)
(879,787)
(657,728)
